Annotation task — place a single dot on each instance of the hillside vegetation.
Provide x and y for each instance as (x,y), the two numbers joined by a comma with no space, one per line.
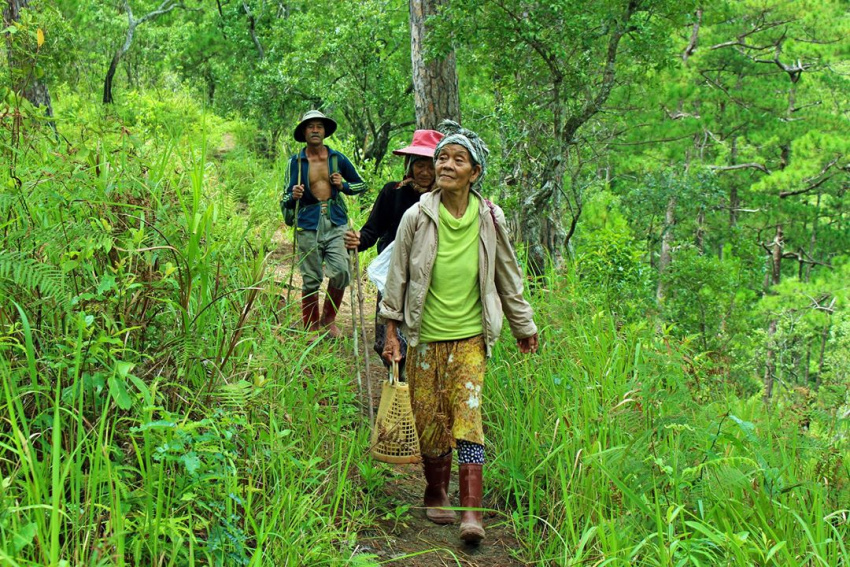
(161,406)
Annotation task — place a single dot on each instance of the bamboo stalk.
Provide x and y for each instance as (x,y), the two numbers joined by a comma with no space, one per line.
(365,340)
(352,256)
(294,251)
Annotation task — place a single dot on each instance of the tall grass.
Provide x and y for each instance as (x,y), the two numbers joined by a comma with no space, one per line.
(606,455)
(156,407)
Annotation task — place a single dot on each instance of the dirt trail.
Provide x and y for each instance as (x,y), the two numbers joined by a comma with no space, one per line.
(407,536)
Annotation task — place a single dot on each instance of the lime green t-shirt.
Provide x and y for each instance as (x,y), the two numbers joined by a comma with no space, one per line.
(452,307)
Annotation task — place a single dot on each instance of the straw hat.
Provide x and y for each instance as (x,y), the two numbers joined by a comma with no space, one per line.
(423,144)
(330,125)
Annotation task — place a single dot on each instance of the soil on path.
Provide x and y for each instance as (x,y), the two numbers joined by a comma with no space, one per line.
(404,535)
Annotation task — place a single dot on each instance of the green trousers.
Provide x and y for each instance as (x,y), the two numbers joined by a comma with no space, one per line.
(322,253)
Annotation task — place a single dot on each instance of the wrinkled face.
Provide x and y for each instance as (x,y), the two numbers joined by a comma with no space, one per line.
(455,171)
(423,172)
(314,132)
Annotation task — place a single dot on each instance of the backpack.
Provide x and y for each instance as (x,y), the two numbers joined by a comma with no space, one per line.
(290,216)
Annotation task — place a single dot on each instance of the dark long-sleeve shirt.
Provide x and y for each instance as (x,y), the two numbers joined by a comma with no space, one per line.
(386,215)
(308,217)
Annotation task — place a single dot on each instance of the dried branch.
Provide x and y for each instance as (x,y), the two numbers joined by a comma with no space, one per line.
(692,44)
(740,40)
(758,166)
(252,23)
(812,184)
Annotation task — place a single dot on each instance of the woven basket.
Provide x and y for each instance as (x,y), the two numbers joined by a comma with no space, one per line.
(394,438)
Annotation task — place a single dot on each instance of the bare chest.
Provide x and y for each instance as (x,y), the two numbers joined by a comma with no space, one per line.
(320,183)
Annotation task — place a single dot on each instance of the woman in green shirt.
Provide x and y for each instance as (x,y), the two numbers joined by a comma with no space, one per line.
(452,276)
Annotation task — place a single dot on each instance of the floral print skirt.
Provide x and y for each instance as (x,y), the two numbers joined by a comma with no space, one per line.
(446,381)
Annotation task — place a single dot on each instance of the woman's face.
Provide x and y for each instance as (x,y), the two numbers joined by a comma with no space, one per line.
(423,172)
(455,171)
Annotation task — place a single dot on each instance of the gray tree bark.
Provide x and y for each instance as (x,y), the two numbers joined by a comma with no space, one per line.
(775,277)
(435,87)
(543,226)
(32,89)
(666,256)
(132,24)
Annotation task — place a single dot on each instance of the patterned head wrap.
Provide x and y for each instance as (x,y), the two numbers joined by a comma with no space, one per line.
(456,134)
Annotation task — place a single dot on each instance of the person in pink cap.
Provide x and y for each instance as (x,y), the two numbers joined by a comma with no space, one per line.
(395,198)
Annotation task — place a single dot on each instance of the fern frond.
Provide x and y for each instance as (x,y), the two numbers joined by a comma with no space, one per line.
(31,274)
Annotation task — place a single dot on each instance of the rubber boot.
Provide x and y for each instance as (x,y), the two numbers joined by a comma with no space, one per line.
(471,521)
(437,474)
(310,312)
(332,304)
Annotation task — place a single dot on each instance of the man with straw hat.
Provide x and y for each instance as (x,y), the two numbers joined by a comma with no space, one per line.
(317,177)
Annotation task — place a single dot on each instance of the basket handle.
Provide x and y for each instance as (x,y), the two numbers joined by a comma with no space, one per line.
(394,373)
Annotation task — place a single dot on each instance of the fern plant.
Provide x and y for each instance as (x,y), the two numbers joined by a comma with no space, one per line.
(32,275)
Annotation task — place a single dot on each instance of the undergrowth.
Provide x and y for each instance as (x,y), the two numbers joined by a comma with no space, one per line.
(610,450)
(160,407)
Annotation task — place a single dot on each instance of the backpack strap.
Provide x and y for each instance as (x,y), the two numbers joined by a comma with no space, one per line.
(492,208)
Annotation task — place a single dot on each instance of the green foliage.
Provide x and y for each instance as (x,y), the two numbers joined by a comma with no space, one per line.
(607,454)
(151,413)
(158,407)
(32,275)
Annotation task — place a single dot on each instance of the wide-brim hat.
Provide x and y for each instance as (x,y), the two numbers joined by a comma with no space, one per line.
(424,143)
(330,125)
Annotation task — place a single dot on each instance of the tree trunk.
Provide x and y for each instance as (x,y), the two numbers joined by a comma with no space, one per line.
(700,237)
(435,88)
(666,248)
(32,89)
(734,201)
(813,240)
(132,24)
(110,75)
(543,233)
(823,338)
(377,147)
(775,276)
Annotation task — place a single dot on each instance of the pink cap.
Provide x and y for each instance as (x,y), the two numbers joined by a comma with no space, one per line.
(424,143)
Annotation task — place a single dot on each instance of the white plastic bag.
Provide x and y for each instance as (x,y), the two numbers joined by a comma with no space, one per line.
(380,267)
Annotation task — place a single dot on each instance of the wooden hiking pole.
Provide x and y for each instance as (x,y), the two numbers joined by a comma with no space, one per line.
(352,255)
(294,235)
(365,339)
(294,251)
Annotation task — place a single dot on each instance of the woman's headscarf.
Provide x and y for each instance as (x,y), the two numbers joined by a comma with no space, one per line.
(456,134)
(409,160)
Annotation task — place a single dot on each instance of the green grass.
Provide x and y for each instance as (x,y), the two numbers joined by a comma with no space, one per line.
(605,455)
(158,407)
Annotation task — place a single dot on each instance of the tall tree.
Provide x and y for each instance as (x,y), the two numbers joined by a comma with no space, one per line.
(780,162)
(561,61)
(132,23)
(435,84)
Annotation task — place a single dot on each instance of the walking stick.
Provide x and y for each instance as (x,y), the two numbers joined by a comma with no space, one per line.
(365,341)
(294,236)
(351,257)
(294,250)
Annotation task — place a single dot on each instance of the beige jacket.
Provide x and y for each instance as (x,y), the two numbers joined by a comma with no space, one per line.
(500,277)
